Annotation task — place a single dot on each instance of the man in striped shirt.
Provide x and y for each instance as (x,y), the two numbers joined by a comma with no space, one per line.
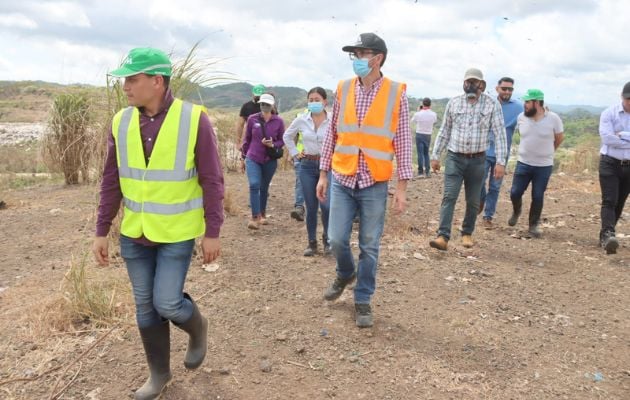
(368,128)
(468,120)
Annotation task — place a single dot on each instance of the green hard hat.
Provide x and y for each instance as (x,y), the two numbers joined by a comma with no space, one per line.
(258,90)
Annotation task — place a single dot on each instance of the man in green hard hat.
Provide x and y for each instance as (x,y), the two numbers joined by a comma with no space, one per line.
(171,191)
(247,109)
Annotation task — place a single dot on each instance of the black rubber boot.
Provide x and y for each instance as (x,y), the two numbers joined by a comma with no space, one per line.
(517,206)
(197,329)
(157,347)
(311,249)
(534,220)
(326,243)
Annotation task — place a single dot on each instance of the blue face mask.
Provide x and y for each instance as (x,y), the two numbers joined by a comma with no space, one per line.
(315,107)
(361,68)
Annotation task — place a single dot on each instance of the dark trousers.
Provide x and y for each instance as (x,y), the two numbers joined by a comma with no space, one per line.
(539,178)
(614,180)
(423,142)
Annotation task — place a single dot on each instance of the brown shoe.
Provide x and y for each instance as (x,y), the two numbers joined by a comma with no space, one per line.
(253,223)
(467,241)
(440,243)
(487,223)
(263,220)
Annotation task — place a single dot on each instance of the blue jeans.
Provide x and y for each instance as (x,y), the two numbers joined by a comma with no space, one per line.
(371,204)
(423,141)
(538,176)
(494,187)
(458,170)
(157,275)
(309,175)
(299,192)
(259,177)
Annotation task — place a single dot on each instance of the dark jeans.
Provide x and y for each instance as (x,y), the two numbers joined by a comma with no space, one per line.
(538,176)
(423,141)
(469,171)
(614,180)
(309,176)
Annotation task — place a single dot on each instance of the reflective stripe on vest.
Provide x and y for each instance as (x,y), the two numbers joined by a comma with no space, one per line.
(162,198)
(374,136)
(179,173)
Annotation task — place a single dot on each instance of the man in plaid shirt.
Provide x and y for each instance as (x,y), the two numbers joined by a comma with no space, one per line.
(467,122)
(359,148)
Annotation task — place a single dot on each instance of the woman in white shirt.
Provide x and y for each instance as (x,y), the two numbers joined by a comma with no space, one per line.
(313,126)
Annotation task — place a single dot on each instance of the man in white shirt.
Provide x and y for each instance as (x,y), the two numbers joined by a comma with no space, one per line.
(614,167)
(541,133)
(424,119)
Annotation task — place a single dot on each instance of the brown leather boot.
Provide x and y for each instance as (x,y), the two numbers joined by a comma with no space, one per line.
(440,243)
(467,241)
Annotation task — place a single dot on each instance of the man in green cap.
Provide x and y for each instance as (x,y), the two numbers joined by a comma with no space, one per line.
(247,109)
(541,133)
(172,192)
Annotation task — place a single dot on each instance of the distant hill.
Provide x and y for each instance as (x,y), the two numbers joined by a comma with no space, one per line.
(233,95)
(583,109)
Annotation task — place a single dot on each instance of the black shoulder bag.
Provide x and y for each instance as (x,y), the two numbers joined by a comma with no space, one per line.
(273,152)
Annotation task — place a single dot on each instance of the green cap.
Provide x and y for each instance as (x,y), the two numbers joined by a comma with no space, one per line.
(258,90)
(144,60)
(533,94)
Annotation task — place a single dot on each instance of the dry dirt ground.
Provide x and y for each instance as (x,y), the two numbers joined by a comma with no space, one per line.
(512,318)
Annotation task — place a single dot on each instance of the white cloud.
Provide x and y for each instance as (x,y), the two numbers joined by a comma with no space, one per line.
(17,20)
(63,13)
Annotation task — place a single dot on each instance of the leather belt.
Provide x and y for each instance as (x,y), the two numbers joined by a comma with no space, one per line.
(312,157)
(623,163)
(471,155)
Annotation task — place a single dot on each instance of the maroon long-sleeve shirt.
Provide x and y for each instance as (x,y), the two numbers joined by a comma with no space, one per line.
(210,173)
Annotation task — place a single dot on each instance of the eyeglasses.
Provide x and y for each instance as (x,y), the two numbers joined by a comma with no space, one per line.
(507,89)
(360,54)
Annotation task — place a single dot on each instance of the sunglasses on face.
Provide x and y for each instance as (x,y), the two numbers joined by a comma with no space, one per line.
(507,89)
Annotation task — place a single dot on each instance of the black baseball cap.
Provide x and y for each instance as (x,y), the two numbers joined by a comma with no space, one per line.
(626,91)
(367,41)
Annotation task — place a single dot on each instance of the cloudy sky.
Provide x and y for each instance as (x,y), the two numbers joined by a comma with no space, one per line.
(571,49)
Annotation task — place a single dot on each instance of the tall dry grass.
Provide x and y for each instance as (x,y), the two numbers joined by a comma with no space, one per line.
(583,158)
(64,146)
(94,295)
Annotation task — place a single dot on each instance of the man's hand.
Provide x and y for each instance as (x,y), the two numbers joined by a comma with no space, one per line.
(400,197)
(435,165)
(499,171)
(100,248)
(242,165)
(211,249)
(322,186)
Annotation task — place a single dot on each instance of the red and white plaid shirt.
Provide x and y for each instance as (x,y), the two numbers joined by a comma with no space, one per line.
(402,139)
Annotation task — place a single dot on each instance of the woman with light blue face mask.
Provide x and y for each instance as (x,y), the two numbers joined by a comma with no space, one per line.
(313,126)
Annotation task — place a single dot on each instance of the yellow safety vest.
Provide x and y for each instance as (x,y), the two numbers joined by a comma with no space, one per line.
(374,137)
(162,199)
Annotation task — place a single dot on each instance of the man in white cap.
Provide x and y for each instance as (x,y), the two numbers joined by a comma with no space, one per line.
(171,190)
(468,120)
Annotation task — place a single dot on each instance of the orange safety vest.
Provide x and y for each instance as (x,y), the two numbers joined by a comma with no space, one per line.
(374,136)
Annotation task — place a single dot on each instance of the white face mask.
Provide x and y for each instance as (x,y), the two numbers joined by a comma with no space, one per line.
(266,108)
